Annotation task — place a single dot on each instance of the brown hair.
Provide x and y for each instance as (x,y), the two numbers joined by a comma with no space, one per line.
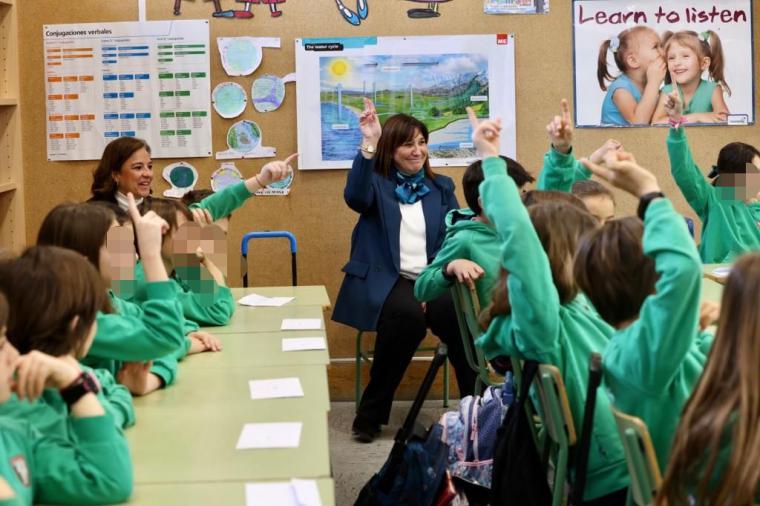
(724,409)
(711,48)
(167,209)
(533,197)
(591,188)
(627,41)
(397,130)
(3,311)
(613,271)
(80,227)
(115,154)
(559,226)
(47,287)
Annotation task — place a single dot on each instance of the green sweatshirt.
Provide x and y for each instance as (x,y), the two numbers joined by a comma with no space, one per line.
(137,332)
(651,366)
(729,227)
(223,203)
(49,414)
(561,171)
(465,239)
(166,367)
(93,467)
(213,305)
(541,329)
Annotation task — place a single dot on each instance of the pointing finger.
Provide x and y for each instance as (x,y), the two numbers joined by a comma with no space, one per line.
(473,117)
(294,156)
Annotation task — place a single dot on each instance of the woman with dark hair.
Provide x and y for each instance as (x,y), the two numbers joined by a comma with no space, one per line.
(125,167)
(402,206)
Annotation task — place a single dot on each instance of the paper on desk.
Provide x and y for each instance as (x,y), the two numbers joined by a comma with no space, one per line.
(283,493)
(722,271)
(254,299)
(275,388)
(301,324)
(270,435)
(303,343)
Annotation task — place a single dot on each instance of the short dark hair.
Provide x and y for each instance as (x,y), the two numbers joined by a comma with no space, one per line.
(121,216)
(46,288)
(591,188)
(80,227)
(734,157)
(473,176)
(613,271)
(167,209)
(533,197)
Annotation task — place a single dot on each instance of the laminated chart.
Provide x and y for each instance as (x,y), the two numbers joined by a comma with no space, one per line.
(108,80)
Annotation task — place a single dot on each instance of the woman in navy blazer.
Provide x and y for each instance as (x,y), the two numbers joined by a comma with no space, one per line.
(402,206)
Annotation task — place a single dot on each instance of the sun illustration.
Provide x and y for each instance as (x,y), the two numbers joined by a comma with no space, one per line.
(339,67)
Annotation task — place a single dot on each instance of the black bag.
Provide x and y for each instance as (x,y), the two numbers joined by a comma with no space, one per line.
(519,477)
(415,468)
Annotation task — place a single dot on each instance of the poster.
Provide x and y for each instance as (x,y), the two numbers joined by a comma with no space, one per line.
(107,80)
(431,78)
(516,6)
(633,34)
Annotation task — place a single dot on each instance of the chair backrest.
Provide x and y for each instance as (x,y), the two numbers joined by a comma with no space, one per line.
(689,225)
(640,456)
(268,234)
(467,308)
(555,408)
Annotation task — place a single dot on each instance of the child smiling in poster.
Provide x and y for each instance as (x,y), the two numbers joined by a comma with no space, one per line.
(690,55)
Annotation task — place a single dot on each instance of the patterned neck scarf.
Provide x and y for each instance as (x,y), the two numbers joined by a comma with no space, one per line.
(410,189)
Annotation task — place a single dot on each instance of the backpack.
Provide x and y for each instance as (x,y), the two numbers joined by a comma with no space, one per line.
(518,477)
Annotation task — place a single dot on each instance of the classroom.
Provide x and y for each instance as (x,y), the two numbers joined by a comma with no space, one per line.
(277,252)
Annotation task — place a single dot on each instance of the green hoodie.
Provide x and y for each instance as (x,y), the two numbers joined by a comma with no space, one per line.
(49,414)
(542,329)
(729,227)
(465,239)
(93,467)
(651,366)
(561,171)
(166,367)
(224,202)
(137,332)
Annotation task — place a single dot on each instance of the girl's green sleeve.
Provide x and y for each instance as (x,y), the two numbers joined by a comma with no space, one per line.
(223,203)
(166,367)
(431,283)
(535,303)
(97,469)
(695,189)
(139,332)
(561,171)
(115,398)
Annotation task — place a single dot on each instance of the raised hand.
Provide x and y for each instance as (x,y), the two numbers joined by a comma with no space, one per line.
(149,228)
(275,171)
(485,134)
(609,145)
(621,170)
(673,104)
(369,123)
(36,371)
(466,271)
(202,216)
(560,129)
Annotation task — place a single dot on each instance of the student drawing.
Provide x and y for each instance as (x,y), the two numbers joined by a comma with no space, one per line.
(355,18)
(431,11)
(689,56)
(631,96)
(244,14)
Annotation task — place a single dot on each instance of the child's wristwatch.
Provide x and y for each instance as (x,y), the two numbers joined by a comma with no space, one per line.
(645,200)
(85,383)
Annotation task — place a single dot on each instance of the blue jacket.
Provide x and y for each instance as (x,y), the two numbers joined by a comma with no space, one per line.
(374,265)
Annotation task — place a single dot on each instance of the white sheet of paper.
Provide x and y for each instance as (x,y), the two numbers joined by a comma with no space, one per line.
(722,271)
(306,491)
(275,388)
(303,343)
(255,299)
(280,493)
(270,435)
(301,324)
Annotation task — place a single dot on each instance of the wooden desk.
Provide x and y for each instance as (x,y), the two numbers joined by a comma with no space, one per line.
(260,349)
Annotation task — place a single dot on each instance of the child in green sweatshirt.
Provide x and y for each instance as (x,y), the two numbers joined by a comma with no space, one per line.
(648,289)
(90,466)
(728,208)
(470,250)
(550,320)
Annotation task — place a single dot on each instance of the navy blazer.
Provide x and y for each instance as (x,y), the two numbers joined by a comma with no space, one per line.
(374,265)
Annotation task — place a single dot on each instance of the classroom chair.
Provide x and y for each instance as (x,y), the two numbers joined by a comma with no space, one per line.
(587,427)
(640,457)
(363,355)
(467,307)
(558,424)
(269,234)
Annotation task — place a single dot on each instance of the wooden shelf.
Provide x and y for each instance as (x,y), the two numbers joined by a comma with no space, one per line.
(7,187)
(8,100)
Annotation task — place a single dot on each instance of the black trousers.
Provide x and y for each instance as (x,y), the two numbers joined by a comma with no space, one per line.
(400,330)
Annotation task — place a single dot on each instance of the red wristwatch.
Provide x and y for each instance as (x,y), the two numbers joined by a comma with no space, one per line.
(85,383)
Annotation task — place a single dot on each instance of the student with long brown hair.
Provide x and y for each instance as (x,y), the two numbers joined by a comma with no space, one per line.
(550,319)
(645,280)
(715,457)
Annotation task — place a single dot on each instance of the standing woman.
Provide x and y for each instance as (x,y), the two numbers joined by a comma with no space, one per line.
(402,206)
(125,167)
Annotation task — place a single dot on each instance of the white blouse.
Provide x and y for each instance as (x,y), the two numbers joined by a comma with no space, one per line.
(412,241)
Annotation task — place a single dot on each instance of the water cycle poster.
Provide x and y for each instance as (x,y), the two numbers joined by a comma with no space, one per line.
(108,80)
(431,78)
(628,55)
